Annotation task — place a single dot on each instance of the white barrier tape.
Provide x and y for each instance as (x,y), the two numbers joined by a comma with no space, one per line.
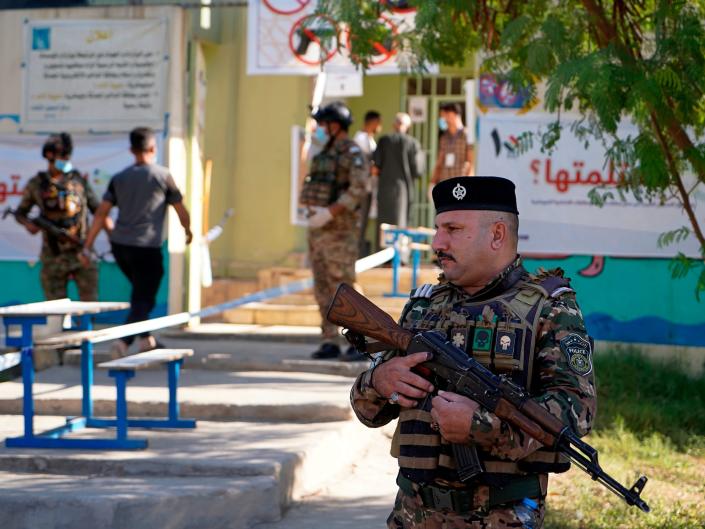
(131,329)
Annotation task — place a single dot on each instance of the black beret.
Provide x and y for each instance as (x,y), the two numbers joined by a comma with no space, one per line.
(490,193)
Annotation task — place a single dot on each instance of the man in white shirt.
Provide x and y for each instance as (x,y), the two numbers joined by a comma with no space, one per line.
(365,138)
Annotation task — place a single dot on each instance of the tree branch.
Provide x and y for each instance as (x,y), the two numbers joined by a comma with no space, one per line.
(675,175)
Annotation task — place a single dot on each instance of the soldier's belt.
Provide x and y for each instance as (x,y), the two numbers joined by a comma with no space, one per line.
(463,500)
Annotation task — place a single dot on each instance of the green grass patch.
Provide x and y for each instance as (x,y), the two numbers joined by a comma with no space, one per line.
(646,398)
(650,420)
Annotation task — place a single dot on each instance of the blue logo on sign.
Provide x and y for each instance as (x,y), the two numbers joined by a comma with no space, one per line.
(41,39)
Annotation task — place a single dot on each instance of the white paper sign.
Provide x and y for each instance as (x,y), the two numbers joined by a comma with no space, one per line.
(288,37)
(418,109)
(94,75)
(556,215)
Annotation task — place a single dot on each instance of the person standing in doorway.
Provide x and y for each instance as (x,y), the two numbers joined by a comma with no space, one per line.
(365,138)
(455,156)
(396,162)
(142,193)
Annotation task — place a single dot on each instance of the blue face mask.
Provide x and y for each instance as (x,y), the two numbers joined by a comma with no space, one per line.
(321,135)
(63,165)
(442,124)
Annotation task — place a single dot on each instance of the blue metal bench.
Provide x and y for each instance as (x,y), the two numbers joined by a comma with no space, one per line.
(123,369)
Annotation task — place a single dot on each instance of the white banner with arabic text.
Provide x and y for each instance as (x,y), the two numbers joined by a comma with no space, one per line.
(556,215)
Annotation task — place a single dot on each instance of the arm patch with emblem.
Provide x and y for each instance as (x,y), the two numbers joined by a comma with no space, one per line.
(578,352)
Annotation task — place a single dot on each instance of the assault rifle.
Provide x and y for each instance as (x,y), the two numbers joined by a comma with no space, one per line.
(456,372)
(50,228)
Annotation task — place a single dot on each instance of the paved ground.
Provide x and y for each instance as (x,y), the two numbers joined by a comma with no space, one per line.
(359,498)
(264,439)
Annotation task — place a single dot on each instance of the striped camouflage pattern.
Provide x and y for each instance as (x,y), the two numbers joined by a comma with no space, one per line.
(423,454)
(410,513)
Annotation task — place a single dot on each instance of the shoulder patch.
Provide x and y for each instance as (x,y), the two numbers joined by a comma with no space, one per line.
(560,291)
(424,291)
(578,352)
(354,149)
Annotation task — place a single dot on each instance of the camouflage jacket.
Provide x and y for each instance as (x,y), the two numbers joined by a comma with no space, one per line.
(544,346)
(65,201)
(339,174)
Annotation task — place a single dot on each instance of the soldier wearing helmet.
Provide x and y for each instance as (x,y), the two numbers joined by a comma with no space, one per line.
(64,198)
(333,192)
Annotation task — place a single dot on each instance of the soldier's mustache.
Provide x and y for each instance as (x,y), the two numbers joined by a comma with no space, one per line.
(442,255)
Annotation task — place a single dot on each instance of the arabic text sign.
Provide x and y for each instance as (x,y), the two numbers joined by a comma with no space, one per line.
(556,215)
(100,75)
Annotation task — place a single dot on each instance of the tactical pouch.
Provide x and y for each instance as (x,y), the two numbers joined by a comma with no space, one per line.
(319,190)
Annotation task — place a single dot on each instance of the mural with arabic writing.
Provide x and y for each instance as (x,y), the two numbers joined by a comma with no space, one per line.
(622,277)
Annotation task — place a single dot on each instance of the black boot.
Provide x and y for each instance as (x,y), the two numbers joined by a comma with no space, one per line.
(326,351)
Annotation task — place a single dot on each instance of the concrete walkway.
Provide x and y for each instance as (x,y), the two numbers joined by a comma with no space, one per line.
(361,497)
(266,440)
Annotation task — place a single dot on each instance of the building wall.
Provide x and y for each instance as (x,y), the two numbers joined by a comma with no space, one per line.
(248,128)
(24,285)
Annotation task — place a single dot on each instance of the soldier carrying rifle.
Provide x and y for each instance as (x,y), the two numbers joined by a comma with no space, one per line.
(525,326)
(64,198)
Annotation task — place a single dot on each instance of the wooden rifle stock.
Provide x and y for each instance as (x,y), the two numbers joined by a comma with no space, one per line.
(354,311)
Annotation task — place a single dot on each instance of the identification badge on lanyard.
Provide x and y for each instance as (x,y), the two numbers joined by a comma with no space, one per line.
(450,159)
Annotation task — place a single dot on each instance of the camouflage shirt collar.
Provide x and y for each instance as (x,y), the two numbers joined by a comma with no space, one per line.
(500,283)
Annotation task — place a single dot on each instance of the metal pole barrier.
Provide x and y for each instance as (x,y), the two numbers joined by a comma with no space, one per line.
(111,333)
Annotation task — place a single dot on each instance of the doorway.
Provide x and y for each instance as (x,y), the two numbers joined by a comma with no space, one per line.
(435,91)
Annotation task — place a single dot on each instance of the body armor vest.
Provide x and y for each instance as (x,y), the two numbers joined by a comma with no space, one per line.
(500,333)
(62,204)
(327,180)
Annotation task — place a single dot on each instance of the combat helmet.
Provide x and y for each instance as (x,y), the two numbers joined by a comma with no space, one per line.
(336,112)
(60,145)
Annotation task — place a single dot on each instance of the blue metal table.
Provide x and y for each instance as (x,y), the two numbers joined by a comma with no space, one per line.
(26,317)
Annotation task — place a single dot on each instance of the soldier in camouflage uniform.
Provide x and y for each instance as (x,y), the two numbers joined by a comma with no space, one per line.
(526,326)
(63,197)
(333,191)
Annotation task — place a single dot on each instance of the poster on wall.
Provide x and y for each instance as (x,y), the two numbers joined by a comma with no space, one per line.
(556,215)
(288,37)
(98,158)
(94,75)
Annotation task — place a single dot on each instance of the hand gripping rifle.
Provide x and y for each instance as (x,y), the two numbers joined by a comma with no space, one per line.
(465,376)
(50,228)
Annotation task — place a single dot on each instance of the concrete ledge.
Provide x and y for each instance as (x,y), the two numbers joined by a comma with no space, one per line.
(206,395)
(324,412)
(240,473)
(220,331)
(31,500)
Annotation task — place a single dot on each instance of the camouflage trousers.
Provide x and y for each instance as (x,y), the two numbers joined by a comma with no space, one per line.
(410,513)
(57,270)
(332,253)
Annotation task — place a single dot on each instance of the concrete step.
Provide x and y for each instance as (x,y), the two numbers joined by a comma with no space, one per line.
(302,312)
(132,503)
(232,475)
(206,395)
(301,309)
(231,347)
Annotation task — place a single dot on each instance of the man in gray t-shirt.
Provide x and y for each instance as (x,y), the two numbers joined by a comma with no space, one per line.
(142,193)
